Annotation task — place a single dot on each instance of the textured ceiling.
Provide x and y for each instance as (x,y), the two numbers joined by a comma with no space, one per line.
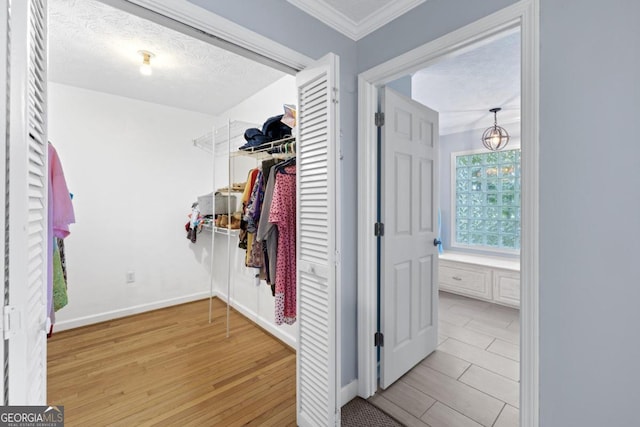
(463,88)
(94,46)
(355,18)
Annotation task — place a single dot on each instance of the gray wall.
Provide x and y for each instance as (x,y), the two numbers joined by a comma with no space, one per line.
(430,20)
(589,194)
(589,213)
(289,26)
(401,85)
(285,24)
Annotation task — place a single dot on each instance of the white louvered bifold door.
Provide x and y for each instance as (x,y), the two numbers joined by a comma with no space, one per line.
(317,373)
(27,204)
(4,32)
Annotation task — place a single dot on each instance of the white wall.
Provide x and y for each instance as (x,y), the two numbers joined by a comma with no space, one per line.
(253,299)
(134,175)
(266,103)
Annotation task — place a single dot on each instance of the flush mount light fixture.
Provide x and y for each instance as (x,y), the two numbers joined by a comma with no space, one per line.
(495,138)
(145,68)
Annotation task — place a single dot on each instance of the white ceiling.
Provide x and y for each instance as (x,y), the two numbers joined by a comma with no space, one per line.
(464,87)
(94,46)
(355,18)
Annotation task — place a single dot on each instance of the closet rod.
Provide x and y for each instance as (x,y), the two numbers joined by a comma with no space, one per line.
(263,148)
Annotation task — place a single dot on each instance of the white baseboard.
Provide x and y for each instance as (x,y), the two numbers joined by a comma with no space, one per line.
(261,321)
(128,311)
(348,392)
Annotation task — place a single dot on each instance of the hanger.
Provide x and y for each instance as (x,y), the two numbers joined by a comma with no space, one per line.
(280,166)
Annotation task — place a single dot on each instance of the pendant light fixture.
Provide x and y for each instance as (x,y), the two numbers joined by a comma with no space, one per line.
(145,68)
(495,138)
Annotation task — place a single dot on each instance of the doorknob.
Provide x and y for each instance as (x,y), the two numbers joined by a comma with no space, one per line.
(436,242)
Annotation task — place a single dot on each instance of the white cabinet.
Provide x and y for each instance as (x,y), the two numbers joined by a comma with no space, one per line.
(506,287)
(466,279)
(487,278)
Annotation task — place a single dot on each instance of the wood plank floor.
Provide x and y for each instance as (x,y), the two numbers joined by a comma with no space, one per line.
(170,367)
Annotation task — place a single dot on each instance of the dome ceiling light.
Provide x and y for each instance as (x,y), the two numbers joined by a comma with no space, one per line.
(145,68)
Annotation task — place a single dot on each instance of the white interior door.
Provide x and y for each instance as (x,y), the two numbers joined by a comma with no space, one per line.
(318,319)
(26,198)
(3,189)
(409,258)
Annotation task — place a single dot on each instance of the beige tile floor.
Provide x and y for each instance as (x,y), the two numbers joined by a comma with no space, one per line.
(472,378)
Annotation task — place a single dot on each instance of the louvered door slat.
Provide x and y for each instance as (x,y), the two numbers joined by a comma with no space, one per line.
(316,245)
(27,202)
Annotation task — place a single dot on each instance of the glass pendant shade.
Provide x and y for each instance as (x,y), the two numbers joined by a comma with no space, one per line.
(496,137)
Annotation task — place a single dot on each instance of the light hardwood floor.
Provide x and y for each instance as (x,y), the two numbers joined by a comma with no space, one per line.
(170,367)
(472,379)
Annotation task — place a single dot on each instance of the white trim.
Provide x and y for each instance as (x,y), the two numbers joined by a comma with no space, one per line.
(347,26)
(263,322)
(222,28)
(526,15)
(348,392)
(530,217)
(367,250)
(78,322)
(4,8)
(142,308)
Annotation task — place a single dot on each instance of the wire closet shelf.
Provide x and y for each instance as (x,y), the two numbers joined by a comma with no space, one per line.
(225,141)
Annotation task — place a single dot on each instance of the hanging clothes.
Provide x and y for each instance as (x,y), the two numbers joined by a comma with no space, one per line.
(60,297)
(254,257)
(268,232)
(60,216)
(243,236)
(283,214)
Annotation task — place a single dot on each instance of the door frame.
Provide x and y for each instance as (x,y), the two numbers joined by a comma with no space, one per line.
(524,14)
(205,25)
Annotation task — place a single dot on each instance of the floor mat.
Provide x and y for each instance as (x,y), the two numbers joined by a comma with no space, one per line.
(359,413)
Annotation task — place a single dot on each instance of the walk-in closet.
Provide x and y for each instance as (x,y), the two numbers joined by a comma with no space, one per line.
(149,155)
(249,162)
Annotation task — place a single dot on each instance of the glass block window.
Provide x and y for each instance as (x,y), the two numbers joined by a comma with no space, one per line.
(486,202)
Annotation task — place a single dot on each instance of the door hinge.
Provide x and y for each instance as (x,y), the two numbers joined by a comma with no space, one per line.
(10,321)
(378,339)
(378,229)
(379,119)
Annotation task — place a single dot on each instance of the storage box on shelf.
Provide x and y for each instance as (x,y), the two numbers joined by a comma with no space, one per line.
(487,278)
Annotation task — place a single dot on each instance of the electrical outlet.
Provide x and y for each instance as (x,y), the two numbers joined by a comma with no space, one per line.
(131,277)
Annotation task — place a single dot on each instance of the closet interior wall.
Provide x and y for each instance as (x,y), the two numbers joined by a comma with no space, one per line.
(132,179)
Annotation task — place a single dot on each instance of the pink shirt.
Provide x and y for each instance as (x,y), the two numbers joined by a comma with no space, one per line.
(283,215)
(59,197)
(60,214)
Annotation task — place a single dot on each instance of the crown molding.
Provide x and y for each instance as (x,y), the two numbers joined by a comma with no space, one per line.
(347,26)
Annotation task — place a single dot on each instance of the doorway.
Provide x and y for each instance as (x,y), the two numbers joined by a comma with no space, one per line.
(521,15)
(318,96)
(318,99)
